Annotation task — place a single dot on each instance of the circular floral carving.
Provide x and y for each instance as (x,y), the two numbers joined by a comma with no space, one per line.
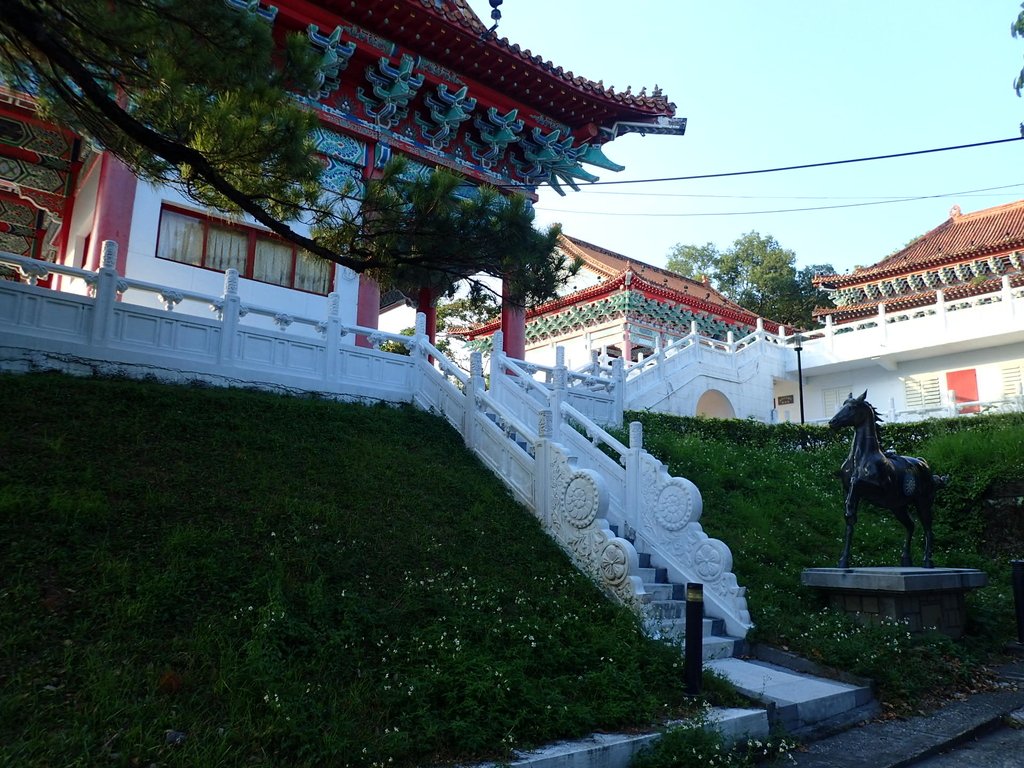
(580,501)
(709,561)
(614,564)
(673,508)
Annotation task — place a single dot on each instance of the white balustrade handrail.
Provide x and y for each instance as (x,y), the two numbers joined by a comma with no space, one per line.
(521,377)
(446,366)
(516,406)
(34,265)
(594,431)
(508,420)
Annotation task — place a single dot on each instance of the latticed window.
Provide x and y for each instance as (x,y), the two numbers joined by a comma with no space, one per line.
(191,238)
(833,399)
(1013,378)
(922,391)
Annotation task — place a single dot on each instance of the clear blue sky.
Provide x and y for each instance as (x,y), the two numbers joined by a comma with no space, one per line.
(767,84)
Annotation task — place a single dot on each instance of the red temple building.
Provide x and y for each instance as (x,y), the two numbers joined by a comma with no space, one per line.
(620,307)
(422,78)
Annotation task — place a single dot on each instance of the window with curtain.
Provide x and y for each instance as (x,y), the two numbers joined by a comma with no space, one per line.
(226,249)
(312,273)
(192,238)
(273,262)
(180,238)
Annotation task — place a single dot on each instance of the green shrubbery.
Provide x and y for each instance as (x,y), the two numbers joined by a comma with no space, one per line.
(195,576)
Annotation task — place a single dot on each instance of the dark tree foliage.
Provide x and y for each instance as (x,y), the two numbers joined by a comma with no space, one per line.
(758,274)
(197,94)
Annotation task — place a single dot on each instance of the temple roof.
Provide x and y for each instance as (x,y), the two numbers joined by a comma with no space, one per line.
(961,237)
(451,34)
(609,264)
(621,273)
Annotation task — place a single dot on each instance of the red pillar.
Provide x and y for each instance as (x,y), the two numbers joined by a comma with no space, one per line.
(367,307)
(513,326)
(425,304)
(112,216)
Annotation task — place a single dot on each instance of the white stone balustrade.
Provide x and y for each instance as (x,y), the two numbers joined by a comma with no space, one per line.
(524,431)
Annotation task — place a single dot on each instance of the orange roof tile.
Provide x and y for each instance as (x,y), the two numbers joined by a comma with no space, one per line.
(961,236)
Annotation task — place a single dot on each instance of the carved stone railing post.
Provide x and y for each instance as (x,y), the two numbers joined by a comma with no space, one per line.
(332,336)
(542,490)
(559,384)
(498,365)
(575,505)
(475,385)
(418,350)
(618,377)
(1006,296)
(230,311)
(632,465)
(106,294)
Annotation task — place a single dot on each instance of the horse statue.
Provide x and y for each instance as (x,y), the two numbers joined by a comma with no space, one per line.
(883,478)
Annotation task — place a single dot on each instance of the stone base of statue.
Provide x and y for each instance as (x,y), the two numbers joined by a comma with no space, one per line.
(922,598)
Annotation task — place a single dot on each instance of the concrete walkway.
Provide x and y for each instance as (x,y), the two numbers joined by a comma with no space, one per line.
(898,743)
(809,707)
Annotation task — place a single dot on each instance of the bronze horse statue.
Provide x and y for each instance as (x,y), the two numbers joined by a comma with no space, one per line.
(883,478)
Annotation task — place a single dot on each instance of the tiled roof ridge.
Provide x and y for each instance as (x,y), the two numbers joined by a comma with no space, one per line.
(956,215)
(937,247)
(732,312)
(629,263)
(459,12)
(907,301)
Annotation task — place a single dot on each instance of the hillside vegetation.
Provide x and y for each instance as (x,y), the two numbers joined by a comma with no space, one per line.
(770,492)
(207,577)
(194,576)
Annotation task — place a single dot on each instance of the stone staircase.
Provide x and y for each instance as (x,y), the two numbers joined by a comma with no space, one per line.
(665,613)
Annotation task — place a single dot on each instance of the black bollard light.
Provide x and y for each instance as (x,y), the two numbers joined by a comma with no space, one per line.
(693,661)
(1017,579)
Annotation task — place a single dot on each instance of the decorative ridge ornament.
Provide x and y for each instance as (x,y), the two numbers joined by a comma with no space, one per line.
(392,90)
(497,132)
(447,111)
(334,59)
(267,14)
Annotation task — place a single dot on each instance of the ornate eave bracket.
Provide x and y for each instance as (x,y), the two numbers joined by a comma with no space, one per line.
(334,59)
(496,132)
(552,159)
(392,88)
(266,14)
(447,111)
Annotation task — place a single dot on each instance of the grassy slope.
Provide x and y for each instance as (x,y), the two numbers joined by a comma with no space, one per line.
(210,577)
(779,506)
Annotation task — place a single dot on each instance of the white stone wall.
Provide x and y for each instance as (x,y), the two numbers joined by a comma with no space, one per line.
(142,264)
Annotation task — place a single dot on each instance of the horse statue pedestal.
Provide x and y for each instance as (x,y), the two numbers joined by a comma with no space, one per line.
(922,598)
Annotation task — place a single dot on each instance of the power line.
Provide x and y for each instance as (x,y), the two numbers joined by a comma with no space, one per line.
(802,166)
(780,210)
(814,165)
(698,196)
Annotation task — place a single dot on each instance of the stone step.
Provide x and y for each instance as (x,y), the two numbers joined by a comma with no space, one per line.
(799,703)
(616,750)
(669,609)
(663,591)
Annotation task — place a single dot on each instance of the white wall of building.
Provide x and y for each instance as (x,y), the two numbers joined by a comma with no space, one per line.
(143,264)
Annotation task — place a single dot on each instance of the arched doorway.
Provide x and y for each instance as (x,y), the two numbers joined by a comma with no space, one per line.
(716,405)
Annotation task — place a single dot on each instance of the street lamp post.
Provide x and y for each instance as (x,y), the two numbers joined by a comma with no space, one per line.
(799,341)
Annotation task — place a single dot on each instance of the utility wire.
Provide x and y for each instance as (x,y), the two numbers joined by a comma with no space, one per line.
(692,196)
(797,167)
(813,165)
(778,210)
